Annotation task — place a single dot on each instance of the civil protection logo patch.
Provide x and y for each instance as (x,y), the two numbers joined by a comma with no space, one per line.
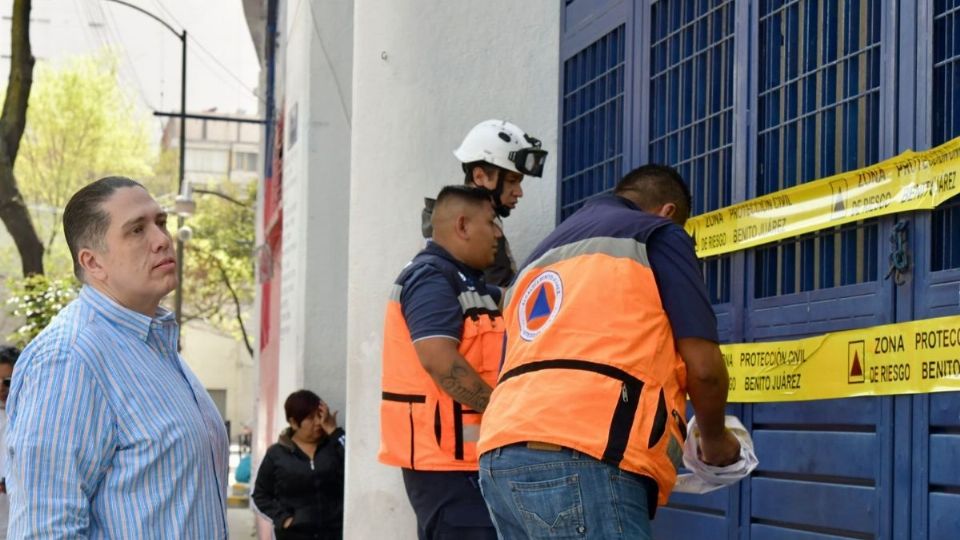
(540,304)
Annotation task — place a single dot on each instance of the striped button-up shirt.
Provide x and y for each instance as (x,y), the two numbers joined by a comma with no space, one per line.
(110,434)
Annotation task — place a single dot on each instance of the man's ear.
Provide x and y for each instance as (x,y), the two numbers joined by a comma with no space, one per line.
(667,210)
(461,227)
(90,262)
(482,179)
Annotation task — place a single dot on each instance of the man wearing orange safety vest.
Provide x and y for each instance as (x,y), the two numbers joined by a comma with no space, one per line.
(608,327)
(443,341)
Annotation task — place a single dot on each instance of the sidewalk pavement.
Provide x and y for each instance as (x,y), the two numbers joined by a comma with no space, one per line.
(242,524)
(241,521)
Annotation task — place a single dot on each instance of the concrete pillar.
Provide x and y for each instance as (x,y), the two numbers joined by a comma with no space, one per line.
(424,72)
(318,45)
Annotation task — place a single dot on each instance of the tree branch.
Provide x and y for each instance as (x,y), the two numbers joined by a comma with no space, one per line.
(53,229)
(233,294)
(13,210)
(223,196)
(14,118)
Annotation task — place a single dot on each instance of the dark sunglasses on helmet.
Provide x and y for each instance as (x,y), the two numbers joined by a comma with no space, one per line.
(529,161)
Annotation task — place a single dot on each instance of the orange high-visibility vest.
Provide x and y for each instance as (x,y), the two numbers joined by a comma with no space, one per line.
(591,362)
(421,426)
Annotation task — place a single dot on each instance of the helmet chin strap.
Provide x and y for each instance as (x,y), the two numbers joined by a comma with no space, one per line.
(498,207)
(501,209)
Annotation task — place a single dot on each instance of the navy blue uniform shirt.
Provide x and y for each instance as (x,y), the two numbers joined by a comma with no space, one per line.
(672,257)
(429,301)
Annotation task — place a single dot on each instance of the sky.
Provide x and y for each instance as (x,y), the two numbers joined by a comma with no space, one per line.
(222,67)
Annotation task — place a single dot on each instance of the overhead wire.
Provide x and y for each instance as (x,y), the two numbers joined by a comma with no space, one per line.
(113,30)
(226,70)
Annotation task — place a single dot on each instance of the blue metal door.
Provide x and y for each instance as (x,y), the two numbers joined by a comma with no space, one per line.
(747,97)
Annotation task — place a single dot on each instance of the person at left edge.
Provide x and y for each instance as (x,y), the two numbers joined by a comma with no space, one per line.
(110,433)
(443,339)
(8,359)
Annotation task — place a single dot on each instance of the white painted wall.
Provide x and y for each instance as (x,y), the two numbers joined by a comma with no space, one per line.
(318,45)
(424,72)
(328,137)
(295,39)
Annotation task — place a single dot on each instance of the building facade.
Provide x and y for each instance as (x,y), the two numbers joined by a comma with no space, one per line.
(744,97)
(217,151)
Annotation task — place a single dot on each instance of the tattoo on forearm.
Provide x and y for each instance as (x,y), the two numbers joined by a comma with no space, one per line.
(465,386)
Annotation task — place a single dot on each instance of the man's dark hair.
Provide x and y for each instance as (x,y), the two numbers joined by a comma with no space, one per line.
(463,193)
(300,405)
(656,185)
(469,167)
(9,355)
(84,221)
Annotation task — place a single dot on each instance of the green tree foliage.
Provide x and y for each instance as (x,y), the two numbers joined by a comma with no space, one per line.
(218,281)
(81,126)
(37,299)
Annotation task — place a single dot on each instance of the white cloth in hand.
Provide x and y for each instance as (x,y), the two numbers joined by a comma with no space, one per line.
(705,478)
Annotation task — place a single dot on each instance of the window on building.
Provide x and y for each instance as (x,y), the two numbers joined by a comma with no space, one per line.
(818,114)
(592,121)
(245,161)
(691,111)
(945,222)
(207,160)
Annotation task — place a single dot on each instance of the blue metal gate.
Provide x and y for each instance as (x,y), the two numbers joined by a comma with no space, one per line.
(747,97)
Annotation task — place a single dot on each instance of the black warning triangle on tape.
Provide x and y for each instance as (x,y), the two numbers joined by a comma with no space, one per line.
(856,370)
(856,358)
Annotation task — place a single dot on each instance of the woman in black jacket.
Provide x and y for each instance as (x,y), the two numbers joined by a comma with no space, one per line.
(300,482)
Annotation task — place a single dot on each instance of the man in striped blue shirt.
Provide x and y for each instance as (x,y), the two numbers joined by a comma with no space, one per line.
(110,434)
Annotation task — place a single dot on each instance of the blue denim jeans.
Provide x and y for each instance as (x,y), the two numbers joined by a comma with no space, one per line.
(562,494)
(448,505)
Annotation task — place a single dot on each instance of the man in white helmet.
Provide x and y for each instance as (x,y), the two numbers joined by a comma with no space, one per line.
(496,155)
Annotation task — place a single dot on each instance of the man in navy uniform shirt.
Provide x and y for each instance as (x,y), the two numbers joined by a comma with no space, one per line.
(443,339)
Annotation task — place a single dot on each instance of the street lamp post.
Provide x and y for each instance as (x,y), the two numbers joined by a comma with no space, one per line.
(182,36)
(178,295)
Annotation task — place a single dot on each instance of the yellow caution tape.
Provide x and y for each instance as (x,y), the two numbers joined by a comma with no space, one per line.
(904,358)
(910,181)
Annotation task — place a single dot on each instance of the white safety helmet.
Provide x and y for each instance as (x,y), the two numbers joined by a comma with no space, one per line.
(503,144)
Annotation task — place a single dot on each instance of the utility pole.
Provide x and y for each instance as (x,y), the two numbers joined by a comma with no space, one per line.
(182,36)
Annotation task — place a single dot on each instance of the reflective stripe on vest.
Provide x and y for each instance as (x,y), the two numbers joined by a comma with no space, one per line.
(591,362)
(421,426)
(614,247)
(473,303)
